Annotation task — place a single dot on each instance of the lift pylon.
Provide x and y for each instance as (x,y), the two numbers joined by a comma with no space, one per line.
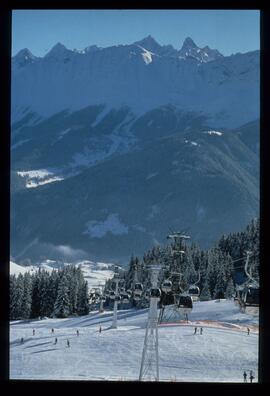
(114,322)
(150,358)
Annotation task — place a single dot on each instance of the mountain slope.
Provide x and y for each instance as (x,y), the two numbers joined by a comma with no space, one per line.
(225,89)
(112,146)
(170,176)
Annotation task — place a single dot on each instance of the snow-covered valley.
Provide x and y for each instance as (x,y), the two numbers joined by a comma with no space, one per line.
(95,273)
(220,354)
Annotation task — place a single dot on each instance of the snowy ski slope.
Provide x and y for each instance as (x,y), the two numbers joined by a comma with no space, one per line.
(220,354)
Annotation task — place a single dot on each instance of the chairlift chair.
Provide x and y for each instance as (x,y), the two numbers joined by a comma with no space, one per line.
(166,286)
(138,288)
(251,296)
(194,292)
(112,295)
(117,298)
(185,304)
(167,299)
(155,292)
(124,296)
(137,295)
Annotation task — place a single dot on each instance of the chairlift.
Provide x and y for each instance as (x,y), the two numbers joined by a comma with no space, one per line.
(185,303)
(251,296)
(112,295)
(137,296)
(155,292)
(138,288)
(166,286)
(194,292)
(167,299)
(124,296)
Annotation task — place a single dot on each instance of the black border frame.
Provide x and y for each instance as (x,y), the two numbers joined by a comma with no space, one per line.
(5,82)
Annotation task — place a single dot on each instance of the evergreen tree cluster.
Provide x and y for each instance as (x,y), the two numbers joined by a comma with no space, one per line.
(216,266)
(215,271)
(42,294)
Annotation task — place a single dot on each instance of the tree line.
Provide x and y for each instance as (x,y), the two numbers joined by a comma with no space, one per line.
(58,294)
(220,267)
(64,292)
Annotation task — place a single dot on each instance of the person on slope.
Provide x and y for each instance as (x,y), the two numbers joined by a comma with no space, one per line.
(201,330)
(68,343)
(195,330)
(248,330)
(34,332)
(77,332)
(245,376)
(55,341)
(251,376)
(100,329)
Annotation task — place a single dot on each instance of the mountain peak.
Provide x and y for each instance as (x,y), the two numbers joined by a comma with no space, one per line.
(25,54)
(191,50)
(149,43)
(23,58)
(189,43)
(57,50)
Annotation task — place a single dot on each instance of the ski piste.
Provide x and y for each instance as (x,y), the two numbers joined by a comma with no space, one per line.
(221,354)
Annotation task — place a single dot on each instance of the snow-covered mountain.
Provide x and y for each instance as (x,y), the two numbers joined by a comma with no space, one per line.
(142,76)
(191,50)
(95,273)
(111,146)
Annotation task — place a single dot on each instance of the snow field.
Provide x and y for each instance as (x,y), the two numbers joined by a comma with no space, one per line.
(220,354)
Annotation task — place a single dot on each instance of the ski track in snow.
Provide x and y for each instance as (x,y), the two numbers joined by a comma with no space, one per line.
(220,354)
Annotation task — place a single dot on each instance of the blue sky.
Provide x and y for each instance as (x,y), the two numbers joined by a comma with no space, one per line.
(229,31)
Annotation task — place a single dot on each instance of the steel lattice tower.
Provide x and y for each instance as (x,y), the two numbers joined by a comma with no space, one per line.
(114,322)
(150,357)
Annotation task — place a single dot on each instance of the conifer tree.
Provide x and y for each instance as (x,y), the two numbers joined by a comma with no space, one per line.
(35,307)
(19,297)
(12,297)
(229,293)
(62,303)
(52,291)
(83,300)
(205,293)
(27,296)
(44,294)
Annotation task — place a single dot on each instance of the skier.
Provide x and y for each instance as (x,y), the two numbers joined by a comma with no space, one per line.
(251,376)
(55,341)
(33,332)
(22,340)
(201,330)
(100,329)
(77,332)
(245,376)
(195,330)
(68,344)
(52,331)
(248,331)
